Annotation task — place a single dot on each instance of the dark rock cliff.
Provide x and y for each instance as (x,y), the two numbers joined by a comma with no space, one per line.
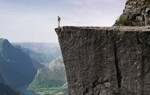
(106,61)
(136,13)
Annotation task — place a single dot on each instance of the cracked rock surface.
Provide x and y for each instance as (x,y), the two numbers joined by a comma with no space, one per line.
(106,60)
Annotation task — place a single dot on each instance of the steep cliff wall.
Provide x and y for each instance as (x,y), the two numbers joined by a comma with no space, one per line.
(136,13)
(106,61)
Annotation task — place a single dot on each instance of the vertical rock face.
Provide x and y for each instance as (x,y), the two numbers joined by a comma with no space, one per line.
(136,13)
(106,61)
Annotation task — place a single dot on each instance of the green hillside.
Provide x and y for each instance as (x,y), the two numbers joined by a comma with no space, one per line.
(16,68)
(50,79)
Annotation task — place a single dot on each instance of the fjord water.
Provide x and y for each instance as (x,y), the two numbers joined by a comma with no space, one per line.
(26,91)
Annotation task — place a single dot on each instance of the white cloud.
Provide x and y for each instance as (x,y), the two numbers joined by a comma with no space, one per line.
(75,2)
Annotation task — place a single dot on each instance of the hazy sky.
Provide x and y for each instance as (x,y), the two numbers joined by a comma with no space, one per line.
(35,20)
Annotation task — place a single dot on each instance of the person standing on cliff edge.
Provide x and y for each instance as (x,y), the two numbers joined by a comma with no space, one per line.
(59,19)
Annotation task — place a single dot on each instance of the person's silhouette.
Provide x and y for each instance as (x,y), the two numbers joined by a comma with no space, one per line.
(59,21)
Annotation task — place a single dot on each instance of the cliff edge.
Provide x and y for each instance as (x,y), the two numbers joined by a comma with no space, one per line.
(109,60)
(106,61)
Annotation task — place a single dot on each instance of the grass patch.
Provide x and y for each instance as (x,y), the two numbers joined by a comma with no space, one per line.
(124,21)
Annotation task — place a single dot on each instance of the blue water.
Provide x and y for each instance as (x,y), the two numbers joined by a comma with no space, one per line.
(26,91)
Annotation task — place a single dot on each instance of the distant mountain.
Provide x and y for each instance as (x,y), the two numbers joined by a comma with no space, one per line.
(6,90)
(49,77)
(42,52)
(16,68)
(57,66)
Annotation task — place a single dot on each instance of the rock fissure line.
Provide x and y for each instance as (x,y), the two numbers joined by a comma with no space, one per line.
(119,76)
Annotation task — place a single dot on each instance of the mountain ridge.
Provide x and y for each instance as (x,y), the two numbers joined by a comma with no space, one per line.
(17,69)
(44,53)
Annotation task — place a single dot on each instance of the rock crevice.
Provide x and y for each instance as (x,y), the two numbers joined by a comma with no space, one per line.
(119,76)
